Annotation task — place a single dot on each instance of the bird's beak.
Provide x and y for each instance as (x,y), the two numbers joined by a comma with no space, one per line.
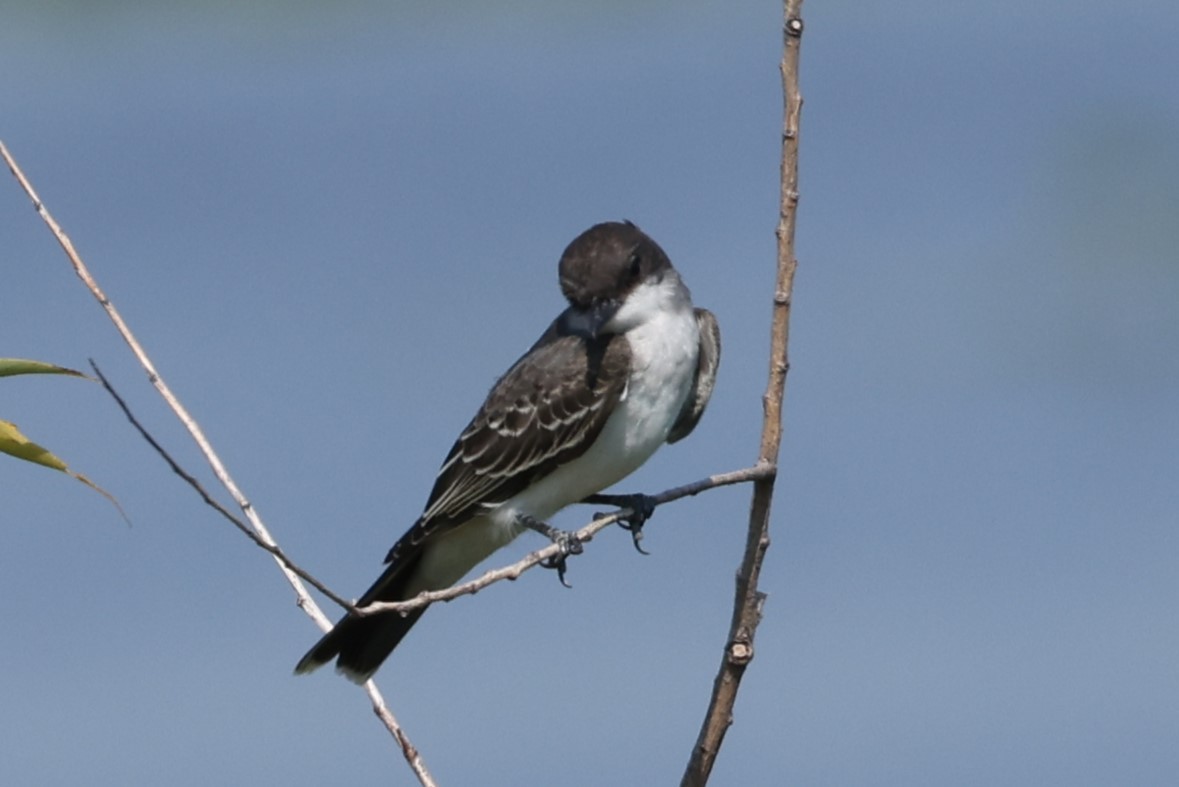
(587,322)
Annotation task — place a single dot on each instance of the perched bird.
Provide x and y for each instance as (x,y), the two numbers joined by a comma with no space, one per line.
(628,366)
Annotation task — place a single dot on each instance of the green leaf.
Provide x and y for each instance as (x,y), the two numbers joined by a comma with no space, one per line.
(12,366)
(14,443)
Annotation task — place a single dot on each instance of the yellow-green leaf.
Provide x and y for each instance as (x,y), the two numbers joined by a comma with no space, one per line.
(14,443)
(11,366)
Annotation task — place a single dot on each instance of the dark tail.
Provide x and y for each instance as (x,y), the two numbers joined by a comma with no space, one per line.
(361,644)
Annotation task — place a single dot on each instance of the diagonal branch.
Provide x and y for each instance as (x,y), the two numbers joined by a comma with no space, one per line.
(756,473)
(747,605)
(212,502)
(304,599)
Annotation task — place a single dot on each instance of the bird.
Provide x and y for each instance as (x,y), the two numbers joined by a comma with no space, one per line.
(630,364)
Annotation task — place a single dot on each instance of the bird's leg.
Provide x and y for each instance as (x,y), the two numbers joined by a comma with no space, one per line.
(568,544)
(642,506)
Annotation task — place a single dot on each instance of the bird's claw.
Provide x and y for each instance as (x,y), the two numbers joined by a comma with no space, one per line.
(636,534)
(642,507)
(567,544)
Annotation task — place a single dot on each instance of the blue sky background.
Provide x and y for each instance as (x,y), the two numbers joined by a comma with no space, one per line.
(333,225)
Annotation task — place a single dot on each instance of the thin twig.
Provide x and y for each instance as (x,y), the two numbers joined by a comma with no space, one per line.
(512,572)
(408,750)
(304,599)
(215,504)
(747,604)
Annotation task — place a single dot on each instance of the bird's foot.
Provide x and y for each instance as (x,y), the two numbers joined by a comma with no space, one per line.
(641,506)
(567,544)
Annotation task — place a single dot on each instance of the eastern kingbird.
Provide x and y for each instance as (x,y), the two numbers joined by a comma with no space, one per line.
(628,366)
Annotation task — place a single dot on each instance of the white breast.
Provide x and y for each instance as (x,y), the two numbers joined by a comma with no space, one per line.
(664,346)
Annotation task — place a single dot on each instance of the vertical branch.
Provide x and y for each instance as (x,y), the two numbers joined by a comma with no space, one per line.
(747,605)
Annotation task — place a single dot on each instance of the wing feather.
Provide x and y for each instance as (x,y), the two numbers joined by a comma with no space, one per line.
(707,362)
(545,411)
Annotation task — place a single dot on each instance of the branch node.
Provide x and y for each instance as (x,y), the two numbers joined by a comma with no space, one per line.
(794,27)
(740,653)
(767,470)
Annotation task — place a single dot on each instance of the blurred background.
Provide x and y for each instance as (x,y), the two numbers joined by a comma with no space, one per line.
(333,225)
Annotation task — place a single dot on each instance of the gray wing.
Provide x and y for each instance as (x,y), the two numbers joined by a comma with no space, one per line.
(705,379)
(544,412)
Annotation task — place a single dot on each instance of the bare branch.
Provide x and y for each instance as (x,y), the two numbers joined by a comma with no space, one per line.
(264,539)
(408,750)
(756,473)
(747,604)
(212,502)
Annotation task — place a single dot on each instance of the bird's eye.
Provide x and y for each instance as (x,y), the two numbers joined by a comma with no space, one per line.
(634,265)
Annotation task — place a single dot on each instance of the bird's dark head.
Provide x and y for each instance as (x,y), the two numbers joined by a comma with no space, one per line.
(600,270)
